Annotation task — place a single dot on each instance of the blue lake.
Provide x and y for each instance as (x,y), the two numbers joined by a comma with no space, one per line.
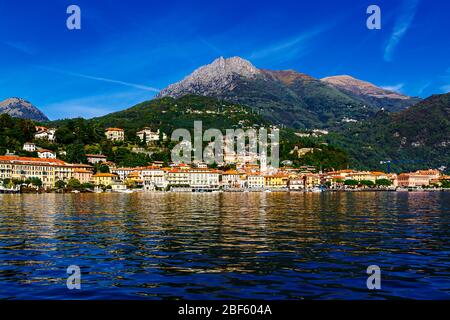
(225,245)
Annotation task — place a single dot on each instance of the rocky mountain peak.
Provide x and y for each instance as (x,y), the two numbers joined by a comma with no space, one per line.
(20,108)
(212,78)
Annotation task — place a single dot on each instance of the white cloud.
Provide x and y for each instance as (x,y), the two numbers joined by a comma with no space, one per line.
(21,47)
(79,75)
(396,87)
(402,24)
(290,48)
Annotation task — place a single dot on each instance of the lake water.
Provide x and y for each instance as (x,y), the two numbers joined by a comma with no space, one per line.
(225,245)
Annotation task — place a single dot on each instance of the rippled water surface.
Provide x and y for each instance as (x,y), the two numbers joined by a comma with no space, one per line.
(226,245)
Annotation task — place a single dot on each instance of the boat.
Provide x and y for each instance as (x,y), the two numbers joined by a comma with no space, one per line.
(124,191)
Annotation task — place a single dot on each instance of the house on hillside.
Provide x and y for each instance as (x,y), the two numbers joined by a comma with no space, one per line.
(115,134)
(96,158)
(29,146)
(46,154)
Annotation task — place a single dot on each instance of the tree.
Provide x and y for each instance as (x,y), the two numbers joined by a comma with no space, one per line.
(35,181)
(75,153)
(367,183)
(351,182)
(74,184)
(103,168)
(60,184)
(445,183)
(87,185)
(384,182)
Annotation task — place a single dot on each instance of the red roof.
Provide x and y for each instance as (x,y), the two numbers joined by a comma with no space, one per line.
(29,159)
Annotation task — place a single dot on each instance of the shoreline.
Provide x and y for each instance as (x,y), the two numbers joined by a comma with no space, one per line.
(240,191)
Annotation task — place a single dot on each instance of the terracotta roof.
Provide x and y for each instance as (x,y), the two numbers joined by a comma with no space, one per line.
(104,175)
(31,160)
(77,170)
(114,129)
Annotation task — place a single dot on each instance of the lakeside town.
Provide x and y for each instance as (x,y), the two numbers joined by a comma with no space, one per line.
(47,173)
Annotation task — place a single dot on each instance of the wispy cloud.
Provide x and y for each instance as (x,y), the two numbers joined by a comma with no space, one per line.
(21,47)
(396,87)
(80,75)
(289,48)
(402,24)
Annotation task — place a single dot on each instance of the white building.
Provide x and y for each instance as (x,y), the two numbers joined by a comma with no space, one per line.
(153,178)
(296,183)
(115,134)
(149,135)
(123,173)
(29,146)
(232,180)
(96,158)
(46,154)
(204,179)
(45,133)
(255,181)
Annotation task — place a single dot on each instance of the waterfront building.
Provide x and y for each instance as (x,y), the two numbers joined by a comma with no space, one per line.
(105,179)
(29,146)
(82,175)
(123,173)
(232,180)
(276,181)
(96,158)
(312,180)
(115,134)
(421,178)
(178,177)
(153,178)
(296,182)
(22,168)
(134,179)
(204,179)
(255,181)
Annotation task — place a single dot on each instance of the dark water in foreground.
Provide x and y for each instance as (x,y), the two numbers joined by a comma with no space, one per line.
(222,246)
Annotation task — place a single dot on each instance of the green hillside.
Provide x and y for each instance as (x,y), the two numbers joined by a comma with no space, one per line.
(418,137)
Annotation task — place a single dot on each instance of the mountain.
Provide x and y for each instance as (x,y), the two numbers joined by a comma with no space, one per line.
(19,108)
(371,94)
(169,114)
(285,97)
(418,137)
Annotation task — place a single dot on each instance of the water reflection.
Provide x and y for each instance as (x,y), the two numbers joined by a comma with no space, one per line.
(228,245)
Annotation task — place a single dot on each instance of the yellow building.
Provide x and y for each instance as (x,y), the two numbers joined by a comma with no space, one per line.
(105,179)
(276,181)
(22,168)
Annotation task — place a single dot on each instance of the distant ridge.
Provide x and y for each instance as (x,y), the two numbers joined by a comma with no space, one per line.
(370,93)
(288,97)
(20,108)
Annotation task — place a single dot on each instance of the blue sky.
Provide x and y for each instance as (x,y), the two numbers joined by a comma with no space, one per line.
(127,50)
